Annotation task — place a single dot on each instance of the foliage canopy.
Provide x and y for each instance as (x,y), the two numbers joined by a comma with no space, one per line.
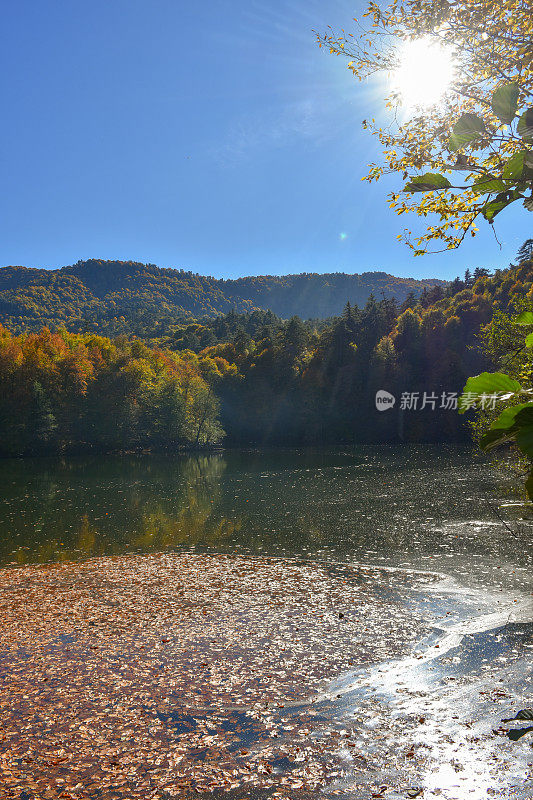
(470,155)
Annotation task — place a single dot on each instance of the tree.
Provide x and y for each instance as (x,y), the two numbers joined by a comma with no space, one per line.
(525,253)
(295,338)
(40,423)
(409,302)
(457,285)
(482,128)
(480,272)
(512,398)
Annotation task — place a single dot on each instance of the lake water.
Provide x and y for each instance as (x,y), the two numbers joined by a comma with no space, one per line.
(444,525)
(414,506)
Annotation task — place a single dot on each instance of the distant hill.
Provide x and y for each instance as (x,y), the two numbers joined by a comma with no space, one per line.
(94,293)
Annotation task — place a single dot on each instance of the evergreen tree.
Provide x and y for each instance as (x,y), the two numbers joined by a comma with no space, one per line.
(456,286)
(525,253)
(409,302)
(480,272)
(294,338)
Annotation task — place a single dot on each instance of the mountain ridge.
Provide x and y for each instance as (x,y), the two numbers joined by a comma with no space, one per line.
(95,290)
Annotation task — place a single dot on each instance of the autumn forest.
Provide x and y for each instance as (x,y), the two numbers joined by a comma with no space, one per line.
(163,380)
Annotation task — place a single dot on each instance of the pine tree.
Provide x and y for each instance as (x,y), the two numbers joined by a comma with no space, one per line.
(480,272)
(525,252)
(409,302)
(295,338)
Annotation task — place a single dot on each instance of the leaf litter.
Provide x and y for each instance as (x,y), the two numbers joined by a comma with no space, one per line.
(175,675)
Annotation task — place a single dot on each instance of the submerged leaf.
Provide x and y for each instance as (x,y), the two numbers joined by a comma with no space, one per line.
(517,733)
(525,713)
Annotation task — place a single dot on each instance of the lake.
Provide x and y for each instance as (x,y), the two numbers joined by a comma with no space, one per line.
(351,593)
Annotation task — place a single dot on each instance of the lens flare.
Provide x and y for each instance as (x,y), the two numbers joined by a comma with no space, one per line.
(425,71)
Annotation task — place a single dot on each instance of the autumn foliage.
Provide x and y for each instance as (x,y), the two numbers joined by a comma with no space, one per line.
(255,379)
(469,156)
(61,391)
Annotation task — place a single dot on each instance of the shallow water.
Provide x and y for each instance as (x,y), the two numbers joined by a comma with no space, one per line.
(416,509)
(184,671)
(422,507)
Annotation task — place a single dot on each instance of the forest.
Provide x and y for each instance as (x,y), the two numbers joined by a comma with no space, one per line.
(254,378)
(114,297)
(63,391)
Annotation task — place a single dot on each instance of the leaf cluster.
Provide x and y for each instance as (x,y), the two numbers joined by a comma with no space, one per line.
(482,128)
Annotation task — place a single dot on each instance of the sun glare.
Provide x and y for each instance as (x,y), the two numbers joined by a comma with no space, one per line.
(424,73)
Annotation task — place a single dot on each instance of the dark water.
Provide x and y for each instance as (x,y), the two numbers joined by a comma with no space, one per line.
(426,507)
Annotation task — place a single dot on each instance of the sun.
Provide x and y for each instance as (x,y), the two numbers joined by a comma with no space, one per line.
(425,71)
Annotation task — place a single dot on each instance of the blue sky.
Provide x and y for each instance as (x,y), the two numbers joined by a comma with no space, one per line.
(211,136)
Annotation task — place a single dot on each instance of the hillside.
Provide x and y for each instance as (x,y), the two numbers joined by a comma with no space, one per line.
(254,379)
(92,294)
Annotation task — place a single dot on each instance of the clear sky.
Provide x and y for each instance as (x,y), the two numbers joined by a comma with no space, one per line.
(212,136)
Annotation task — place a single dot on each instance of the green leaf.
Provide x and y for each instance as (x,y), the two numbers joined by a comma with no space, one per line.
(525,318)
(488,184)
(505,102)
(427,183)
(488,383)
(521,430)
(524,418)
(525,125)
(466,130)
(493,438)
(529,340)
(513,424)
(514,167)
(507,418)
(490,210)
(524,439)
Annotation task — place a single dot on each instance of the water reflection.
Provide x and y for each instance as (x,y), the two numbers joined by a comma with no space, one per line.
(426,507)
(64,510)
